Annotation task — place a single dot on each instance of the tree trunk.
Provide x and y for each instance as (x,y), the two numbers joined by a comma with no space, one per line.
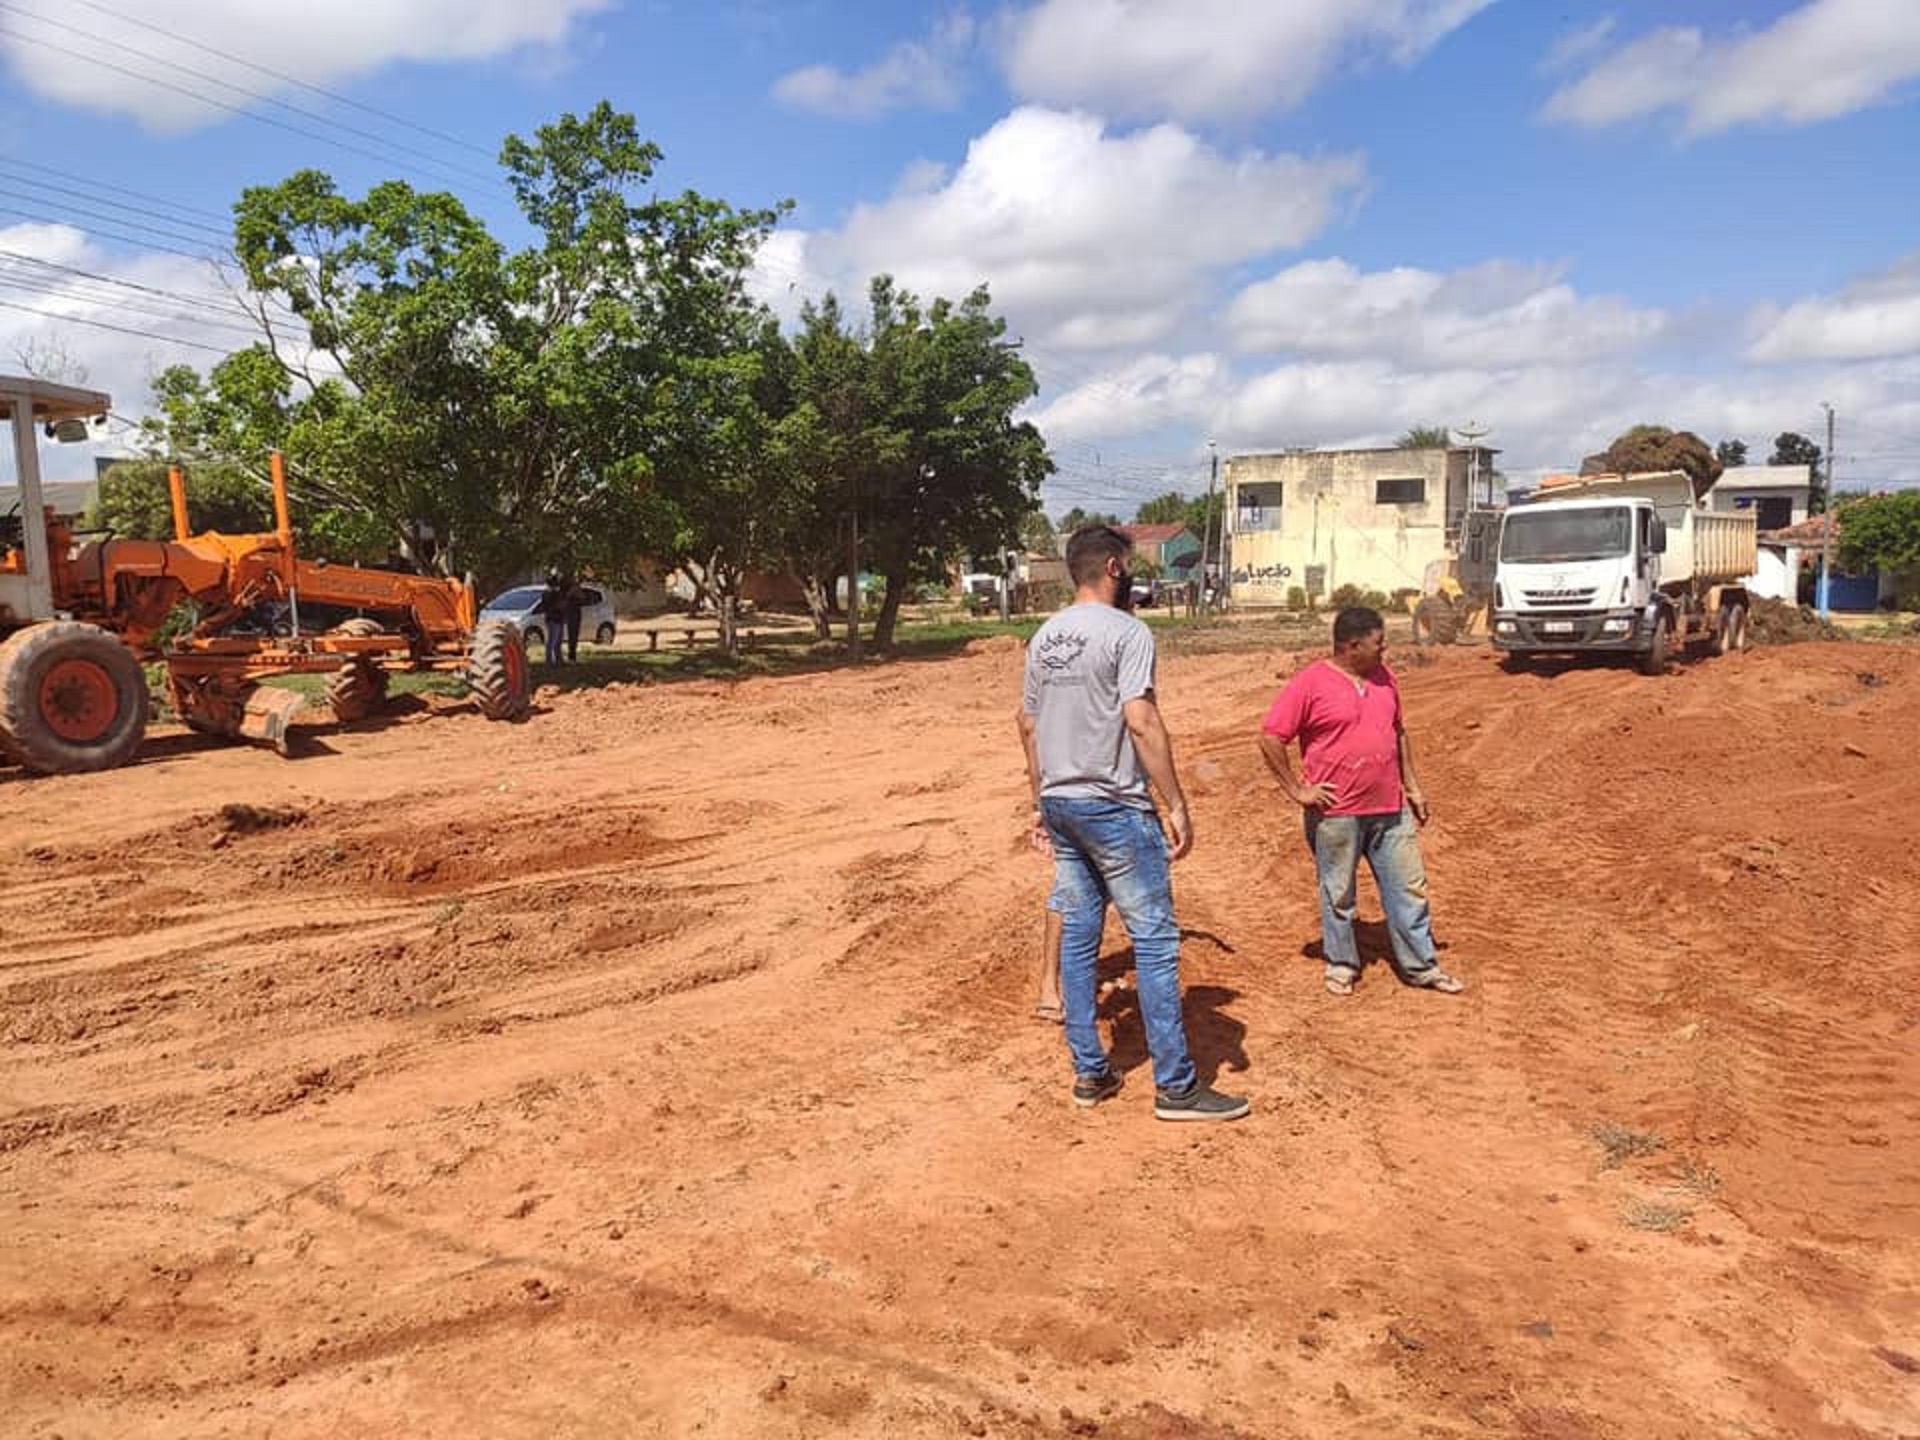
(889,611)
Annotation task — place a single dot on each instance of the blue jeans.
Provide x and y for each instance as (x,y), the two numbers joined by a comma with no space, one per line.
(1107,852)
(1391,846)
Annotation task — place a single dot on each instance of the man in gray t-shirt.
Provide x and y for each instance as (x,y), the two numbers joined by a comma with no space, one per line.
(1093,738)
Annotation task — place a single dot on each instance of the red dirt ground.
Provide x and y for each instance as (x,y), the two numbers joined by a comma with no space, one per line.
(664,1066)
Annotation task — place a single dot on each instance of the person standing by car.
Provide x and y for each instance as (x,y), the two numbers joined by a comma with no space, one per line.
(1093,737)
(574,600)
(1360,798)
(553,617)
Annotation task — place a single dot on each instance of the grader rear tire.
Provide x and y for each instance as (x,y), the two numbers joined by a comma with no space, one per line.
(497,672)
(72,699)
(359,687)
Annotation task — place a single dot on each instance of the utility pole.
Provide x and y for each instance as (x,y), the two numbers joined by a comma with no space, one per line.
(1206,527)
(1826,530)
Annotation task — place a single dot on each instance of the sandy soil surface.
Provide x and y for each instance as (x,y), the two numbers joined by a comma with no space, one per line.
(665,1065)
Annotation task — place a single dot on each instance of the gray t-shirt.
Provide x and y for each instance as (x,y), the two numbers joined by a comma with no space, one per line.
(1082,666)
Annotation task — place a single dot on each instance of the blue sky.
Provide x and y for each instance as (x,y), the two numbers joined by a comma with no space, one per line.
(1267,225)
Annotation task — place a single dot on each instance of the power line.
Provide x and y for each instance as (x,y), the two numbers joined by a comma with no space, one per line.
(120,329)
(14,162)
(242,90)
(41,218)
(11,280)
(285,78)
(171,217)
(192,94)
(93,214)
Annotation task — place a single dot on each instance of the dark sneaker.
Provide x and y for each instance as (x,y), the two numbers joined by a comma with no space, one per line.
(1090,1090)
(1202,1102)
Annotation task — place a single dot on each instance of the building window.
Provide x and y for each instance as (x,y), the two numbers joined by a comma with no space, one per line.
(1775,512)
(1400,492)
(1257,508)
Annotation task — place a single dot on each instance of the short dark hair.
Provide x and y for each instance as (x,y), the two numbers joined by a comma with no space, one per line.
(1355,623)
(1090,547)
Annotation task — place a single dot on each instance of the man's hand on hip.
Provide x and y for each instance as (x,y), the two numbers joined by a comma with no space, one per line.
(1316,797)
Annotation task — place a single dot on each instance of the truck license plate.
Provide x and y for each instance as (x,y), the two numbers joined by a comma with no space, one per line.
(1558,627)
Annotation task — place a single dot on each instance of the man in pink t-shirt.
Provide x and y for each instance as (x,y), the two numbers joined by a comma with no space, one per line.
(1360,798)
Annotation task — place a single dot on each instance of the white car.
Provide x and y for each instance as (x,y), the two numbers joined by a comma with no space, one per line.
(521,605)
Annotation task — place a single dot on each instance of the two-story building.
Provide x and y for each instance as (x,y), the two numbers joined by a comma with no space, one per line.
(1373,519)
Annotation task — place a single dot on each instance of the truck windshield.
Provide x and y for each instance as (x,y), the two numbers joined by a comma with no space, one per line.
(1554,535)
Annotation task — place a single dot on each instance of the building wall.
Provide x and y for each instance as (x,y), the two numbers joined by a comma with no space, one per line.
(1331,519)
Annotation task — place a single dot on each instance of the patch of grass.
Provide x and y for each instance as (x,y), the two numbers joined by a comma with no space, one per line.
(1698,1178)
(1653,1215)
(1618,1144)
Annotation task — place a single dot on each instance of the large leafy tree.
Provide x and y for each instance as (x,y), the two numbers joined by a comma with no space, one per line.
(1424,437)
(1076,517)
(135,501)
(494,410)
(950,470)
(1168,509)
(1731,453)
(1880,530)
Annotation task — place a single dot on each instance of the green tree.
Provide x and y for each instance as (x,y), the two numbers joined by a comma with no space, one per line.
(1645,448)
(135,500)
(1791,448)
(1424,437)
(1879,530)
(1168,509)
(949,470)
(1037,533)
(1731,453)
(1198,513)
(1075,518)
(494,409)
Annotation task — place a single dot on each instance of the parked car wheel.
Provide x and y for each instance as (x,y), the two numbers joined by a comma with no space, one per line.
(604,635)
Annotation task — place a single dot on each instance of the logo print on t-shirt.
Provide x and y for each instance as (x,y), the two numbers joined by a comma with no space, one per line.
(1060,650)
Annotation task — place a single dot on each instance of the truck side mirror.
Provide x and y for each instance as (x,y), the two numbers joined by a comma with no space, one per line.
(1657,537)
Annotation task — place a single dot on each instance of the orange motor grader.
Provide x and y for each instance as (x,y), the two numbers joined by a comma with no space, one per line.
(81,612)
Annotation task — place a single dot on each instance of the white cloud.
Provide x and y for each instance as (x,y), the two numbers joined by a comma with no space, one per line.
(922,74)
(1151,393)
(1875,317)
(1210,59)
(1576,45)
(1497,313)
(322,44)
(120,319)
(1087,238)
(1825,59)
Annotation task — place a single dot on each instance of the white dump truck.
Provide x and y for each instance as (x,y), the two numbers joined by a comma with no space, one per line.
(1623,564)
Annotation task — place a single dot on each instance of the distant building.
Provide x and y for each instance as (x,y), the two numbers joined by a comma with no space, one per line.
(69,499)
(1373,519)
(1777,496)
(1174,548)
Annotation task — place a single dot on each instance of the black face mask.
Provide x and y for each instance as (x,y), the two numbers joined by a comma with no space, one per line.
(1124,598)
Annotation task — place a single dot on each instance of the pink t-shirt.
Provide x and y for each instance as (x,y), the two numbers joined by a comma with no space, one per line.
(1349,737)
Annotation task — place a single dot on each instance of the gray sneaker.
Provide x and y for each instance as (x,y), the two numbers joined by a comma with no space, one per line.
(1202,1102)
(1090,1090)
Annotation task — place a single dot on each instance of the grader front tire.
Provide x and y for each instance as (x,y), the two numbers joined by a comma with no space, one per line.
(497,672)
(72,699)
(359,687)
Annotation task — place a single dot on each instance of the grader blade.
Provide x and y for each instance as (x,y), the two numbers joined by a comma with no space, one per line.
(267,714)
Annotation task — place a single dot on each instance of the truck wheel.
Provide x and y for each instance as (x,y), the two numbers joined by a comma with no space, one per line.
(72,699)
(1516,662)
(1654,662)
(1739,628)
(359,687)
(497,672)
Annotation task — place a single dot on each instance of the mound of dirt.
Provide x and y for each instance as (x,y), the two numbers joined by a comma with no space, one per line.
(1775,622)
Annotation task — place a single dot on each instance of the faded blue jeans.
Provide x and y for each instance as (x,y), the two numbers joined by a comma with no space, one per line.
(1390,844)
(1103,852)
